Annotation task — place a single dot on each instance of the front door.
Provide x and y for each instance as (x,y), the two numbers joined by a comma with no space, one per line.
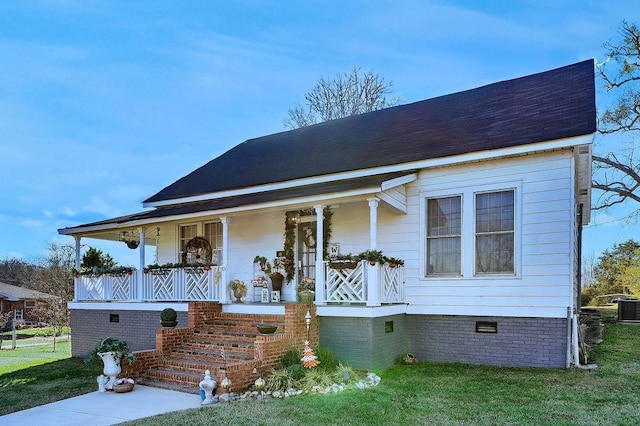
(307,245)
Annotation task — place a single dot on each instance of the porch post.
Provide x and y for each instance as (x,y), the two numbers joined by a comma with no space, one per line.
(140,274)
(223,294)
(320,299)
(76,281)
(373,223)
(373,271)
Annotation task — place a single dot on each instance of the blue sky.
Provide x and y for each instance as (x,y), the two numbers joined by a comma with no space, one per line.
(103,103)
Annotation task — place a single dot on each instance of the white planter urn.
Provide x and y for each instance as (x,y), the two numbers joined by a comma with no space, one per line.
(111,361)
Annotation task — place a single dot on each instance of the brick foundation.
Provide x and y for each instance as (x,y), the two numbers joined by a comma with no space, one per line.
(519,342)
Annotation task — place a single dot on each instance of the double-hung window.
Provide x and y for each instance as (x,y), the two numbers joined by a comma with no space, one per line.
(444,236)
(494,232)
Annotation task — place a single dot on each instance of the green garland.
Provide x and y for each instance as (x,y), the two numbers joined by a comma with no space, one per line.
(290,237)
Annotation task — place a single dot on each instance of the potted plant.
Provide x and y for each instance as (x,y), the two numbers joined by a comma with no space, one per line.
(306,290)
(239,289)
(111,350)
(169,318)
(277,278)
(343,261)
(372,256)
(394,261)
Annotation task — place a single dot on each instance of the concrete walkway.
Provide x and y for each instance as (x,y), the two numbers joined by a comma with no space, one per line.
(104,408)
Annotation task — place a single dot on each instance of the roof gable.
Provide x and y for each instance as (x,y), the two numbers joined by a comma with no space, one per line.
(546,106)
(14,293)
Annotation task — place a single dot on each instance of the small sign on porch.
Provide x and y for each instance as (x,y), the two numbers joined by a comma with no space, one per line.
(275,296)
(334,249)
(265,295)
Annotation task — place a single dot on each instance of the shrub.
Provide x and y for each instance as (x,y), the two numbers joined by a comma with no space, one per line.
(345,374)
(316,379)
(327,358)
(291,357)
(279,380)
(168,314)
(296,371)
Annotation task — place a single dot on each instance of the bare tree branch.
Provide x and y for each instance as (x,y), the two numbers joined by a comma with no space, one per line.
(347,94)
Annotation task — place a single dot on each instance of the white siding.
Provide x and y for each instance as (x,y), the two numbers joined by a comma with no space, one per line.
(542,286)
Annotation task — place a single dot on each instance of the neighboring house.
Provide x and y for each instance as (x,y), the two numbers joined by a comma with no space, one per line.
(482,193)
(22,301)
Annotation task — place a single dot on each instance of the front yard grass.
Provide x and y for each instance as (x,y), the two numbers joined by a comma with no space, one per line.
(455,394)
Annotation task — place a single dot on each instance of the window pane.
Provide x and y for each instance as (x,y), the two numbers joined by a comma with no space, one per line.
(187,232)
(494,212)
(443,255)
(494,253)
(443,216)
(495,232)
(213,234)
(444,226)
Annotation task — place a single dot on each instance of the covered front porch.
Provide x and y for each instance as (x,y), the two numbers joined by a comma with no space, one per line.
(365,284)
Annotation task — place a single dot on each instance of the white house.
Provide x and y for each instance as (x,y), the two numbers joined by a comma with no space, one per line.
(481,193)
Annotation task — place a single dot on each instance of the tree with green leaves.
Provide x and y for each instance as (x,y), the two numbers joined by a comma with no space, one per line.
(95,258)
(612,266)
(349,93)
(617,174)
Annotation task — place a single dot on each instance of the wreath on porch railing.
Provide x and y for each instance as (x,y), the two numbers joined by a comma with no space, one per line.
(197,250)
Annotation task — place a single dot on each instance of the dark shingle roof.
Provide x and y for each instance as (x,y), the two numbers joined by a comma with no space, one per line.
(13,292)
(547,106)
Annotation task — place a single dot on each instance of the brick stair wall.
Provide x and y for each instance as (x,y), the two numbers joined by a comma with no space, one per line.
(183,354)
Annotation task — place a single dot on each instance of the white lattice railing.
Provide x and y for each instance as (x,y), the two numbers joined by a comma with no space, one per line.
(180,284)
(352,285)
(170,284)
(106,287)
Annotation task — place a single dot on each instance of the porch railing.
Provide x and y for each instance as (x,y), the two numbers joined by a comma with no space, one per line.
(170,284)
(364,283)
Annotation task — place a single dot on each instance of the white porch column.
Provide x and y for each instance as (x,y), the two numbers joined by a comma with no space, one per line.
(223,292)
(373,222)
(140,274)
(373,271)
(320,298)
(76,281)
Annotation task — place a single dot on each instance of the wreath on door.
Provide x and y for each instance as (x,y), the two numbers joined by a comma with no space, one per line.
(197,250)
(309,237)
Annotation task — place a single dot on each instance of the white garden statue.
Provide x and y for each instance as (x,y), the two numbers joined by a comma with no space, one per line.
(208,385)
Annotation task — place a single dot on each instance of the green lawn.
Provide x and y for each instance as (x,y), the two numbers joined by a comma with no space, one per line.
(36,375)
(454,394)
(426,393)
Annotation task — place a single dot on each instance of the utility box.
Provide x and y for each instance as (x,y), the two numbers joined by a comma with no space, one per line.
(629,310)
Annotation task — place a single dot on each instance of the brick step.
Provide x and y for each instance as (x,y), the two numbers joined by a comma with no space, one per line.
(225,343)
(215,333)
(176,377)
(193,365)
(169,386)
(207,353)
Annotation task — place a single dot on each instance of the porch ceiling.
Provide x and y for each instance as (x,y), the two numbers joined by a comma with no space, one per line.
(373,184)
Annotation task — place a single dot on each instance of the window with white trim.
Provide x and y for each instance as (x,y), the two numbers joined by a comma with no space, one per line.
(29,303)
(211,231)
(495,232)
(444,236)
(187,232)
(213,234)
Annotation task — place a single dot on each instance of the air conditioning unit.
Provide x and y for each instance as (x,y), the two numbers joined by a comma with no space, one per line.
(629,310)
